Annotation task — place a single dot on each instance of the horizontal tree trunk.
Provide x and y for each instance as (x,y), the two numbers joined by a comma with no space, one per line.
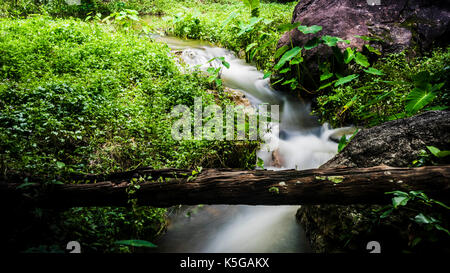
(226,186)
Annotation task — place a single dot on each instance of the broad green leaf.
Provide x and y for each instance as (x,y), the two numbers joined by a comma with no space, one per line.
(373,71)
(399,201)
(349,54)
(323,86)
(438,153)
(417,99)
(424,219)
(361,59)
(296,60)
(309,30)
(60,165)
(342,143)
(347,79)
(312,43)
(267,74)
(287,56)
(136,243)
(280,51)
(330,40)
(386,213)
(289,81)
(287,69)
(433,150)
(288,26)
(229,19)
(260,163)
(326,75)
(443,154)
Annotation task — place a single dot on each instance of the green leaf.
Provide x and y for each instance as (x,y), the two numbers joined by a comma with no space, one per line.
(400,201)
(326,75)
(342,143)
(349,54)
(335,178)
(438,153)
(296,60)
(312,43)
(330,40)
(267,74)
(441,204)
(60,165)
(433,150)
(288,26)
(274,190)
(309,30)
(280,51)
(260,163)
(250,46)
(361,59)
(287,69)
(136,243)
(424,219)
(287,56)
(417,99)
(373,71)
(373,50)
(386,213)
(323,86)
(347,79)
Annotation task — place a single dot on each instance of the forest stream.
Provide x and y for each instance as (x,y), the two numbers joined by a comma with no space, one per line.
(303,144)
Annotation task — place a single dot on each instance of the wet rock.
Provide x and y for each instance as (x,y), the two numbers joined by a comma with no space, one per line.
(335,228)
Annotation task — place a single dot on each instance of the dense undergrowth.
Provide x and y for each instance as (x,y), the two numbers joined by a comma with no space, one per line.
(82,96)
(78,97)
(372,100)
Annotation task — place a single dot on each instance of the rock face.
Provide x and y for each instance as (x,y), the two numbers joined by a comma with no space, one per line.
(333,228)
(400,24)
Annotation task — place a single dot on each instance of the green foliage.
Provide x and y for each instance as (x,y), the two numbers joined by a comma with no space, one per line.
(85,97)
(403,88)
(436,157)
(428,214)
(230,25)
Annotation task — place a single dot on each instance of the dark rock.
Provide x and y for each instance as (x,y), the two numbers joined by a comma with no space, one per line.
(335,228)
(396,143)
(401,24)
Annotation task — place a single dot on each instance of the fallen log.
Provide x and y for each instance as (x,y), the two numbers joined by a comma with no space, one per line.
(226,186)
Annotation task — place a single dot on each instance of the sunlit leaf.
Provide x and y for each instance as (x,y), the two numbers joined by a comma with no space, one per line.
(287,56)
(347,79)
(417,99)
(361,59)
(309,29)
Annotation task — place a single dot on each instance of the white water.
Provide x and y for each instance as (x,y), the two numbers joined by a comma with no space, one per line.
(303,144)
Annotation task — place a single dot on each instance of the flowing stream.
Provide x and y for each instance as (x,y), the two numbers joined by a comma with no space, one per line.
(303,144)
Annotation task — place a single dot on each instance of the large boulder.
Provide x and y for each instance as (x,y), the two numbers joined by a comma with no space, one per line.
(400,24)
(336,228)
